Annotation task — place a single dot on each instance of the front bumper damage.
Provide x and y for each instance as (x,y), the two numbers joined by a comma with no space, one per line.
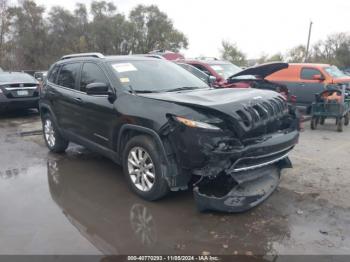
(239,191)
(238,166)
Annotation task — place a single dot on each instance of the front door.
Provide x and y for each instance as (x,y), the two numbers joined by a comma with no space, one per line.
(98,112)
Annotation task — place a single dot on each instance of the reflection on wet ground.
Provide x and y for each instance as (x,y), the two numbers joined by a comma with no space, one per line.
(79,203)
(93,195)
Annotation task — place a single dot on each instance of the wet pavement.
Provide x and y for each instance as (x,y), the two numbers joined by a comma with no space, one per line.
(79,203)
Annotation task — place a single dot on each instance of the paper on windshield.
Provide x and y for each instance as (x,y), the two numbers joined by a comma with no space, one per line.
(124,67)
(124,80)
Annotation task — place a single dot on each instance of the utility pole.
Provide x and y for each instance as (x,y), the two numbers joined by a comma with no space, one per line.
(308,43)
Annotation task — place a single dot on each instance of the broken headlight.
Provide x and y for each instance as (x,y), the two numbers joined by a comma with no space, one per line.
(197,124)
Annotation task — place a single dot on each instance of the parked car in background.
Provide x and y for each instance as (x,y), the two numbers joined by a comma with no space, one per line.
(1,70)
(220,69)
(210,80)
(18,91)
(168,55)
(166,127)
(40,75)
(305,80)
(235,77)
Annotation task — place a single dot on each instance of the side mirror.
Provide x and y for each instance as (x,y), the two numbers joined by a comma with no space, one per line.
(97,89)
(211,80)
(318,77)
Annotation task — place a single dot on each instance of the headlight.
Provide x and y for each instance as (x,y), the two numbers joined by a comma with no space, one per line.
(192,123)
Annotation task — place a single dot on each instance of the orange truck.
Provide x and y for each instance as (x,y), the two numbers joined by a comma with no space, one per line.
(304,80)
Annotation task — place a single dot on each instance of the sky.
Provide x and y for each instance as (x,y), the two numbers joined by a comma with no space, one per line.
(256,26)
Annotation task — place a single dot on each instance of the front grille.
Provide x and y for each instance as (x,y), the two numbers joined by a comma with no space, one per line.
(261,112)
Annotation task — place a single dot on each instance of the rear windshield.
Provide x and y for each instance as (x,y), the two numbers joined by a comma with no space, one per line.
(334,72)
(16,78)
(226,70)
(154,75)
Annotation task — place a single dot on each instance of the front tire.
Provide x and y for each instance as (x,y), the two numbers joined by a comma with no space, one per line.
(142,168)
(53,139)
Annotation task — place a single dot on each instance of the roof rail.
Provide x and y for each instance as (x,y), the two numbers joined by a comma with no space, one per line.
(97,55)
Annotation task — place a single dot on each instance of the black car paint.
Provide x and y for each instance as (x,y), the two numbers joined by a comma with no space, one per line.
(105,123)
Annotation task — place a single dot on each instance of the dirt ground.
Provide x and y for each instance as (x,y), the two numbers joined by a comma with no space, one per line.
(78,203)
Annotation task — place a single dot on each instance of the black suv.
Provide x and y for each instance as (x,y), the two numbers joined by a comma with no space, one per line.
(167,128)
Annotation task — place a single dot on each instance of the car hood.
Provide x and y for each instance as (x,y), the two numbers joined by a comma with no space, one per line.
(225,100)
(261,71)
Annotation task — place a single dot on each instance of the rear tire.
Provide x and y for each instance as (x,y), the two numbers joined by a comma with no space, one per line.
(53,139)
(142,168)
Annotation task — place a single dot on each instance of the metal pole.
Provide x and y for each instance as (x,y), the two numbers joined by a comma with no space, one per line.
(308,42)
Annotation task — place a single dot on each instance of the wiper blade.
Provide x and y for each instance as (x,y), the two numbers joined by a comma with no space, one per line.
(184,88)
(145,91)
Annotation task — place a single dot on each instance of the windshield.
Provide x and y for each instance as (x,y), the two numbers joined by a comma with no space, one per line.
(226,70)
(334,72)
(193,70)
(155,76)
(16,78)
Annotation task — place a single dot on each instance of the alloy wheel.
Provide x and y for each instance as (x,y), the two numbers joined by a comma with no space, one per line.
(49,133)
(141,169)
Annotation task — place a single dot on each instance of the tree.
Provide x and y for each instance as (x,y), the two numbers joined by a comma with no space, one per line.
(29,35)
(4,28)
(334,50)
(30,40)
(278,57)
(152,29)
(231,53)
(296,54)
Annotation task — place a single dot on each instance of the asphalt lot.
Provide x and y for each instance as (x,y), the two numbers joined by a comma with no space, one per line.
(78,203)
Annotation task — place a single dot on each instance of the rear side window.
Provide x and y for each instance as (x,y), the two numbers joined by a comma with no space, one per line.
(91,73)
(308,73)
(53,74)
(68,75)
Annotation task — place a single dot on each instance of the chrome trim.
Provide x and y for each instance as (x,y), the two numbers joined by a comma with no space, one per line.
(234,170)
(101,137)
(259,165)
(21,88)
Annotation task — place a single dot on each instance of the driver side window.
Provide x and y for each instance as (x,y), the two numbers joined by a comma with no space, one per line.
(91,73)
(308,73)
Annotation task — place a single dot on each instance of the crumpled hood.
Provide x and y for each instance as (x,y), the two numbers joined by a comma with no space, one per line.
(225,100)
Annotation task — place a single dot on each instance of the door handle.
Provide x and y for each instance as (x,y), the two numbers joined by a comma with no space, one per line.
(78,99)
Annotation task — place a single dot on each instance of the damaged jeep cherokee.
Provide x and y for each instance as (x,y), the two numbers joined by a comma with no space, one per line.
(169,130)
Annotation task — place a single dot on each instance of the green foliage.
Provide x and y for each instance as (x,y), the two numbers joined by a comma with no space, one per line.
(31,40)
(230,52)
(278,57)
(296,54)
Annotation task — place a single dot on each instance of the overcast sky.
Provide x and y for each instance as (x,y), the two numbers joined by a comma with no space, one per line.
(257,26)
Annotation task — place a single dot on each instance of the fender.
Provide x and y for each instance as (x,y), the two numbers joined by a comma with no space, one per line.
(145,130)
(48,108)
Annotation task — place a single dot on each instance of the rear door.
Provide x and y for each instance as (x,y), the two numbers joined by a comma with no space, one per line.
(65,97)
(97,110)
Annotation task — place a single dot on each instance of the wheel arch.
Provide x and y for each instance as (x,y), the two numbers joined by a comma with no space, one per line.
(128,130)
(45,109)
